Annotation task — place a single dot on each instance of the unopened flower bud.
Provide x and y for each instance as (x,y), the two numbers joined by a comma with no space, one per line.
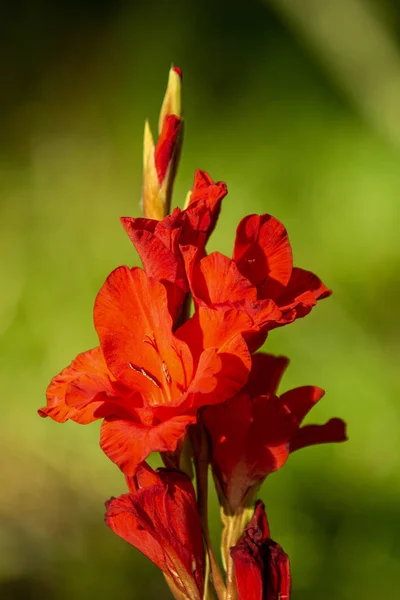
(160,160)
(261,566)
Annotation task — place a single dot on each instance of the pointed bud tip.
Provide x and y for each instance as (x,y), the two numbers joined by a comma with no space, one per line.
(177,70)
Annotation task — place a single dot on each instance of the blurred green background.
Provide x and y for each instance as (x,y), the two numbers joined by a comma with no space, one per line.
(296,105)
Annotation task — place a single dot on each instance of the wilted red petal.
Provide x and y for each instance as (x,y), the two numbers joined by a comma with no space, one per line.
(129,443)
(261,566)
(309,435)
(135,331)
(162,521)
(83,391)
(263,254)
(279,581)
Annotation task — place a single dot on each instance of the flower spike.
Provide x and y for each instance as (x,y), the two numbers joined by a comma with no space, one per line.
(189,384)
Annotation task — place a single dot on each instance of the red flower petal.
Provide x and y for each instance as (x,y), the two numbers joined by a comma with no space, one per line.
(252,435)
(250,440)
(207,191)
(217,280)
(83,391)
(309,435)
(263,254)
(209,328)
(162,521)
(143,477)
(158,249)
(266,373)
(158,242)
(203,210)
(128,443)
(220,374)
(135,330)
(301,400)
(121,518)
(157,246)
(302,292)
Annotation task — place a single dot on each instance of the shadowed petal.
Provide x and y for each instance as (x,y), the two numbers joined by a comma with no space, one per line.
(263,254)
(309,435)
(301,400)
(302,292)
(266,373)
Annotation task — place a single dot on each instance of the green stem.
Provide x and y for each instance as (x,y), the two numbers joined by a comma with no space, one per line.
(201,462)
(234,525)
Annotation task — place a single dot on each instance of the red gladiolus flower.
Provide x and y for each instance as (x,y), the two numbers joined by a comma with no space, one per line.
(259,278)
(253,433)
(262,568)
(158,242)
(160,518)
(192,388)
(146,380)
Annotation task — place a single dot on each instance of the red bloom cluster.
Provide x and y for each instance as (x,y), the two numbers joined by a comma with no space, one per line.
(159,374)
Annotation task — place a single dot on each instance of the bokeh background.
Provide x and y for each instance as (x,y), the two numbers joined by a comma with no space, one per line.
(296,105)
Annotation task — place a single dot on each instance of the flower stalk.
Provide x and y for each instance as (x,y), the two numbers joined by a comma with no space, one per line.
(201,453)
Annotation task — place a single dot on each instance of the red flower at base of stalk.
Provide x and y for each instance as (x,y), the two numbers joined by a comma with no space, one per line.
(159,517)
(262,568)
(159,373)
